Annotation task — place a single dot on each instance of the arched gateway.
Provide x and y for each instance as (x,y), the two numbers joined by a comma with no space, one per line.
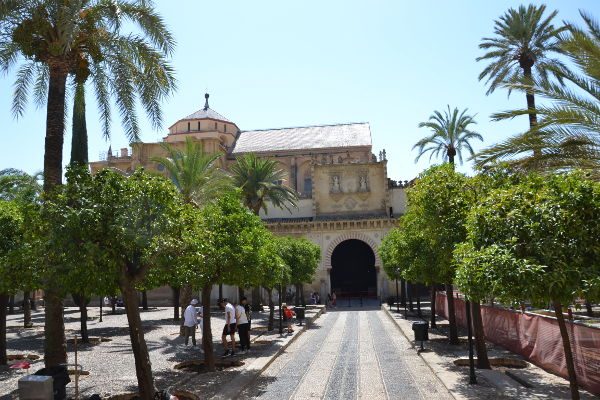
(353,271)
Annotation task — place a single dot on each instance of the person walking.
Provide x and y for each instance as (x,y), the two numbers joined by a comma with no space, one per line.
(242,326)
(190,322)
(229,328)
(288,315)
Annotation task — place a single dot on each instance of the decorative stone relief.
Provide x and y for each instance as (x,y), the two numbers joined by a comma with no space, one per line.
(350,203)
(363,183)
(335,184)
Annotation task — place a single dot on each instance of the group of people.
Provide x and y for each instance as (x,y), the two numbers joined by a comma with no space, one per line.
(237,319)
(315,298)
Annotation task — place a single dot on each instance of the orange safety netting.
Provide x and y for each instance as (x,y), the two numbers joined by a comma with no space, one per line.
(537,338)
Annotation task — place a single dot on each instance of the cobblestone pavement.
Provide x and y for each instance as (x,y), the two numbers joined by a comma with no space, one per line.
(349,355)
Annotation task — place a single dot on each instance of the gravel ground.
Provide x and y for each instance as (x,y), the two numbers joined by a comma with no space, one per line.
(111,364)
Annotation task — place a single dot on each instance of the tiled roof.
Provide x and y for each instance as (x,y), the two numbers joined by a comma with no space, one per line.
(304,138)
(207,113)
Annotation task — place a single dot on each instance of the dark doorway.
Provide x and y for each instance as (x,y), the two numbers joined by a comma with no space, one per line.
(353,269)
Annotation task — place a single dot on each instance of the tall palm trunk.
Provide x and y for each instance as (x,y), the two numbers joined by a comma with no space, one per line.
(26,310)
(207,345)
(432,306)
(482,358)
(567,349)
(79,139)
(527,72)
(55,349)
(452,330)
(143,367)
(3,305)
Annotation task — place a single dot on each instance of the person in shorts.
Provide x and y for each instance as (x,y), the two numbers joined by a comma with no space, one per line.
(229,328)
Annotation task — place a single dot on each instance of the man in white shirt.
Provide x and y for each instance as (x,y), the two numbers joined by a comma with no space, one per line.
(229,328)
(190,322)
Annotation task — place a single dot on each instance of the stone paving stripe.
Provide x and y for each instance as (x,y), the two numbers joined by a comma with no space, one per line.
(283,377)
(316,379)
(343,381)
(370,380)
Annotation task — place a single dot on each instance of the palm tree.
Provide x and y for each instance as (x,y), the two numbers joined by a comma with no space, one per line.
(568,134)
(260,182)
(59,39)
(521,50)
(450,135)
(199,179)
(195,173)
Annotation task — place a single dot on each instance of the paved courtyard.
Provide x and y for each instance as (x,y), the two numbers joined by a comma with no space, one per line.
(349,355)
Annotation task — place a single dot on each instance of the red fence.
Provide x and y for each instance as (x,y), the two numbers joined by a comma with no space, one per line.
(537,338)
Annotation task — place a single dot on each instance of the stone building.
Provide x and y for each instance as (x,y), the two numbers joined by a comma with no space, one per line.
(347,202)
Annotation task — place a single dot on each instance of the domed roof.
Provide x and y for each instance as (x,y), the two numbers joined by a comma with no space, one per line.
(206,113)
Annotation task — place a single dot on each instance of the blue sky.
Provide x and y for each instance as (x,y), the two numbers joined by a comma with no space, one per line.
(271,64)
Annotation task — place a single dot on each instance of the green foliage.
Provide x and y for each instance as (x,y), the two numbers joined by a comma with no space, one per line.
(107,227)
(20,186)
(437,209)
(450,135)
(537,240)
(301,255)
(567,135)
(221,243)
(258,178)
(525,39)
(195,173)
(273,269)
(86,38)
(17,243)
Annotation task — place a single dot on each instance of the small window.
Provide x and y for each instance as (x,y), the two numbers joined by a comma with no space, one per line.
(224,128)
(307,186)
(188,126)
(215,125)
(198,125)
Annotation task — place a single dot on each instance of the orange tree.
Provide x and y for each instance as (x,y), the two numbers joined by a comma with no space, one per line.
(538,240)
(107,229)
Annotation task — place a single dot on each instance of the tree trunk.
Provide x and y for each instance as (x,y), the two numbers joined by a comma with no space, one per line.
(419,314)
(81,302)
(3,304)
(55,345)
(409,290)
(302,300)
(220,290)
(207,345)
(482,358)
(26,310)
(240,293)
(589,310)
(567,348)
(101,304)
(79,137)
(113,304)
(402,292)
(143,367)
(432,307)
(271,310)
(11,304)
(297,296)
(32,301)
(185,296)
(144,300)
(55,349)
(175,290)
(256,300)
(452,330)
(530,97)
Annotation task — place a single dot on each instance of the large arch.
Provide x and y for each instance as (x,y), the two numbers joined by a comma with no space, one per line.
(347,236)
(353,272)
